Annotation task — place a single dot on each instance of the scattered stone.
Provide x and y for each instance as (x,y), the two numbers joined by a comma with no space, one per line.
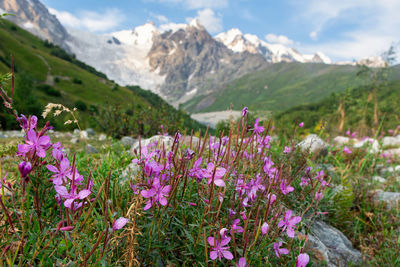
(158,140)
(76,131)
(128,141)
(314,144)
(378,179)
(129,173)
(83,135)
(102,137)
(328,244)
(186,141)
(341,140)
(391,141)
(392,152)
(373,145)
(91,149)
(90,132)
(3,136)
(74,140)
(392,199)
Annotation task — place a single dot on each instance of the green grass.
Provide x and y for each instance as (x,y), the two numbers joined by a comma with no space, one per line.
(280,86)
(34,58)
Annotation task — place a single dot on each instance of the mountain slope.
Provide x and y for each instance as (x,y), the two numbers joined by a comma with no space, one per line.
(33,16)
(278,87)
(353,109)
(46,73)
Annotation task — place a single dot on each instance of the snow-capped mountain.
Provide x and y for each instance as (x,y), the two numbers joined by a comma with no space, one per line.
(35,18)
(239,42)
(176,61)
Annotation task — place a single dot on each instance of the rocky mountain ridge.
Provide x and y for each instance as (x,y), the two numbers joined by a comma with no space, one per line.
(178,62)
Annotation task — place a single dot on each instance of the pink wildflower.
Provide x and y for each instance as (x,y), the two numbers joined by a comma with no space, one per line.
(302,260)
(289,223)
(219,248)
(280,251)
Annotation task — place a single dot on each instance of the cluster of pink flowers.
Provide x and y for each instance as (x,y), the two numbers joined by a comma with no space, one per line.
(64,174)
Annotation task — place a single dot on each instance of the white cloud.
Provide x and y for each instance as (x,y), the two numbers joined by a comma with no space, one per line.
(211,21)
(278,39)
(314,35)
(90,20)
(197,4)
(375,26)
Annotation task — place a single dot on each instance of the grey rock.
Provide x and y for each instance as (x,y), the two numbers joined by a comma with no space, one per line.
(2,136)
(159,140)
(390,141)
(314,144)
(372,144)
(392,199)
(74,140)
(328,244)
(128,141)
(129,173)
(341,140)
(378,179)
(76,131)
(102,137)
(83,135)
(90,132)
(392,152)
(91,149)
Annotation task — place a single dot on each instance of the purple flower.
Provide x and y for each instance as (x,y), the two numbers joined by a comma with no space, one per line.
(264,228)
(242,262)
(302,260)
(287,150)
(318,196)
(301,124)
(347,150)
(35,144)
(219,248)
(157,194)
(60,172)
(304,181)
(219,173)
(27,124)
(289,223)
(196,171)
(24,168)
(258,129)
(119,223)
(235,227)
(245,111)
(279,251)
(286,188)
(72,196)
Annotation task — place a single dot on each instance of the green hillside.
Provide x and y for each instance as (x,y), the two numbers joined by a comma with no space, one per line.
(353,109)
(279,87)
(45,73)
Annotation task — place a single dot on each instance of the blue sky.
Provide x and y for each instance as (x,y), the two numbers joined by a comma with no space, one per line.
(342,29)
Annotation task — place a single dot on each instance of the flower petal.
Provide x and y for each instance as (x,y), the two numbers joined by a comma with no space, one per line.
(119,223)
(213,255)
(211,241)
(227,254)
(84,193)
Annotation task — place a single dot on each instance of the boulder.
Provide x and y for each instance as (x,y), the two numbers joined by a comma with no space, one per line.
(378,179)
(74,140)
(314,144)
(341,140)
(83,135)
(102,137)
(127,141)
(391,141)
(392,199)
(157,140)
(90,132)
(327,244)
(91,149)
(372,144)
(129,173)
